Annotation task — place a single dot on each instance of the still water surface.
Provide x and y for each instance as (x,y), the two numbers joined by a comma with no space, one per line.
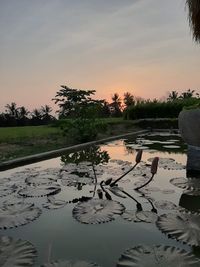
(56,234)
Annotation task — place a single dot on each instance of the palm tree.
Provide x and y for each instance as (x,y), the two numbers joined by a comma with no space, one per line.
(22,112)
(116,105)
(129,99)
(45,111)
(36,117)
(194,17)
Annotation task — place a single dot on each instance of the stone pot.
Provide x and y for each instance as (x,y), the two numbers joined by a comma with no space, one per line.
(189,127)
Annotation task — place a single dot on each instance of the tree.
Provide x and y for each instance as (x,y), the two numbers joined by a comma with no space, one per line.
(22,112)
(188,94)
(36,117)
(194,17)
(23,116)
(83,110)
(116,105)
(75,102)
(173,96)
(128,99)
(12,109)
(45,113)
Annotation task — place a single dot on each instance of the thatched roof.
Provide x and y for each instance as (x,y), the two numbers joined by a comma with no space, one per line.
(194,18)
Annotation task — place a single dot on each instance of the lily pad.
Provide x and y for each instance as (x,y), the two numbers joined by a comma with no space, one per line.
(73,179)
(97,211)
(165,256)
(168,191)
(40,191)
(168,163)
(54,203)
(67,263)
(13,215)
(16,252)
(6,190)
(189,183)
(165,205)
(44,179)
(183,226)
(147,216)
(116,191)
(130,216)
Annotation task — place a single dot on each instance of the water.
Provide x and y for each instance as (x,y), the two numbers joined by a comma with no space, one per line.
(56,234)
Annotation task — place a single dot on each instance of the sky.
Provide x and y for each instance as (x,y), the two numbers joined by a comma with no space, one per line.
(144,47)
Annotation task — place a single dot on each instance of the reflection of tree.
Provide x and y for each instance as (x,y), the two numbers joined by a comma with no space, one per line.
(92,154)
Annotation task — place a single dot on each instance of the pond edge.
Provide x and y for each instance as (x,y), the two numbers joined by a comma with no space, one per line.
(53,153)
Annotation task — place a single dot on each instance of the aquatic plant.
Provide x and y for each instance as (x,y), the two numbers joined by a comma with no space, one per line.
(16,252)
(146,256)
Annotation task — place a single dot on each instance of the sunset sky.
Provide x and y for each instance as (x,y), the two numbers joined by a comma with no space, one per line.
(141,46)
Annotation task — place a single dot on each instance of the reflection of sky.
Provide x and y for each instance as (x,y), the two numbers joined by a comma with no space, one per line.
(58,230)
(144,47)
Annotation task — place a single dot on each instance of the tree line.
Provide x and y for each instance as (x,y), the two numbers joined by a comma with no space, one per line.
(79,103)
(21,116)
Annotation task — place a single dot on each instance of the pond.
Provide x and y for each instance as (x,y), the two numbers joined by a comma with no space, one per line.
(67,211)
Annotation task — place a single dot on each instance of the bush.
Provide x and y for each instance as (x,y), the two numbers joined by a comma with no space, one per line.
(83,130)
(170,109)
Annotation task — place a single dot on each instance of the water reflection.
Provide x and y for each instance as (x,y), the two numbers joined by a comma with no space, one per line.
(84,178)
(157,142)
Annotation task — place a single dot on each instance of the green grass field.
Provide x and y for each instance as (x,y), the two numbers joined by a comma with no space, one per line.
(9,134)
(18,142)
(22,141)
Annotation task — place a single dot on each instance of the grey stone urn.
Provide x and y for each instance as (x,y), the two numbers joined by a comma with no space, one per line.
(189,127)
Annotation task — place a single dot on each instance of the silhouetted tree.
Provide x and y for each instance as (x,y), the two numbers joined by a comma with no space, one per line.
(36,117)
(116,105)
(128,99)
(194,17)
(173,95)
(75,102)
(188,94)
(45,114)
(23,116)
(12,109)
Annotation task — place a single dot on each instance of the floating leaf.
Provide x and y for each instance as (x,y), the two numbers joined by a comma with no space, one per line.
(3,181)
(130,215)
(41,179)
(40,191)
(147,216)
(16,252)
(168,163)
(73,179)
(165,256)
(97,211)
(117,191)
(168,191)
(165,205)
(6,190)
(189,183)
(67,263)
(184,227)
(149,190)
(13,215)
(54,203)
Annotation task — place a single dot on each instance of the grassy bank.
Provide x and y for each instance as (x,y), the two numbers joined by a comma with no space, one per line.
(22,141)
(17,142)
